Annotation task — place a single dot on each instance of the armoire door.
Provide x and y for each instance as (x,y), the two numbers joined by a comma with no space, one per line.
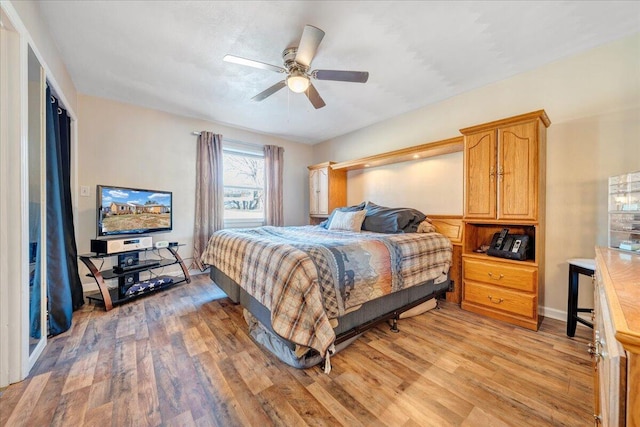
(518,172)
(480,175)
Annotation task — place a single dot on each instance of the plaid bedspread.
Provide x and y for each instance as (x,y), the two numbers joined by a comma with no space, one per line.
(308,275)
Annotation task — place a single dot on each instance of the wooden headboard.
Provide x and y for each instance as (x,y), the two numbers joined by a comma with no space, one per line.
(451,226)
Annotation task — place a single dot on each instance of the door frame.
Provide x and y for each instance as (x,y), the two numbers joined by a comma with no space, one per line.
(15,41)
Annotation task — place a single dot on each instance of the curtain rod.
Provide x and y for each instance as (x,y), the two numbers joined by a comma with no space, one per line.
(233,141)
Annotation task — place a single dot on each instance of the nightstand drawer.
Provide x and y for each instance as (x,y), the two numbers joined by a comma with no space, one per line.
(523,278)
(499,298)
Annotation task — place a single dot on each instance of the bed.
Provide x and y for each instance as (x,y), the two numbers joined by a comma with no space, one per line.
(308,291)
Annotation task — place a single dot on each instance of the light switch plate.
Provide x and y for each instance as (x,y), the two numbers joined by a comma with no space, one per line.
(84,191)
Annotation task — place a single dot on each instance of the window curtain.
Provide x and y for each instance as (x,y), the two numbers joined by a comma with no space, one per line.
(64,288)
(209,193)
(273,167)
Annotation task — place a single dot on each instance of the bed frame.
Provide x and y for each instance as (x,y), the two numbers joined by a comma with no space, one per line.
(387,308)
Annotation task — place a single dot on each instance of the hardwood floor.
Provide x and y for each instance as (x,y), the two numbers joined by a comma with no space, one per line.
(183,357)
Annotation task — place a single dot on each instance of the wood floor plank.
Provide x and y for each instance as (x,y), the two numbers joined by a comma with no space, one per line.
(99,394)
(99,416)
(279,409)
(125,410)
(254,379)
(342,414)
(71,409)
(224,408)
(298,397)
(123,374)
(9,398)
(183,420)
(184,357)
(148,409)
(373,398)
(27,403)
(478,417)
(81,373)
(170,384)
(193,341)
(50,397)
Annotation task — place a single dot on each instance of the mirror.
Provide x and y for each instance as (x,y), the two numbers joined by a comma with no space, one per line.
(36,197)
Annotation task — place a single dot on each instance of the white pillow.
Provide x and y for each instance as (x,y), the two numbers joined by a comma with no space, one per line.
(350,221)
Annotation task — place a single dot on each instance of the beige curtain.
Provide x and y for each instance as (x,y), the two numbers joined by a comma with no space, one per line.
(273,166)
(209,193)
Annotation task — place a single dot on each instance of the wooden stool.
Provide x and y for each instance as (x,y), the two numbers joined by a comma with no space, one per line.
(577,266)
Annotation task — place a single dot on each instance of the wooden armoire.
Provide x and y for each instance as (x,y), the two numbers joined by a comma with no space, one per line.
(504,187)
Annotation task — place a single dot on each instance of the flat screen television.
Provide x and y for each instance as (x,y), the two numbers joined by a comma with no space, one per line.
(123,211)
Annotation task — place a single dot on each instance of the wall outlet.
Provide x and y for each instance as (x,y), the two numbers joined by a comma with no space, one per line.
(84,191)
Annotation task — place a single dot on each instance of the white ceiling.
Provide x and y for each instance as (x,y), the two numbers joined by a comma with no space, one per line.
(167,55)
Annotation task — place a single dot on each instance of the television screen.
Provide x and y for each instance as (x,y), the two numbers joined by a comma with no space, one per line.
(124,210)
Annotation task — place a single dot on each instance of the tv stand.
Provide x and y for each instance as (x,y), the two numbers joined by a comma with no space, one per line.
(128,275)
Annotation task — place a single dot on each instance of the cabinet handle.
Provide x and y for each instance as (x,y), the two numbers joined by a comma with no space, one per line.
(495,278)
(500,172)
(593,315)
(492,172)
(496,300)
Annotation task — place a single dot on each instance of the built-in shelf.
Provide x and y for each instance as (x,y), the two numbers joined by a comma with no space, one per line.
(452,145)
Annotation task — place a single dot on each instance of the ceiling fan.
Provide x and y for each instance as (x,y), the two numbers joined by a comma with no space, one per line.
(297,64)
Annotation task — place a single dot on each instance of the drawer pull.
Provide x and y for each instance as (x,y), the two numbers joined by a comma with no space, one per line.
(495,300)
(495,278)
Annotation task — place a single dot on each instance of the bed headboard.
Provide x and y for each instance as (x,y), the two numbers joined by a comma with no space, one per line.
(449,225)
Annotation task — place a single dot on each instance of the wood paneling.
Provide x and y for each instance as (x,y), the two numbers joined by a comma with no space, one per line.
(190,361)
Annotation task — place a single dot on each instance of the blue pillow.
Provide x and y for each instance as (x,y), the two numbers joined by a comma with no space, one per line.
(391,220)
(353,208)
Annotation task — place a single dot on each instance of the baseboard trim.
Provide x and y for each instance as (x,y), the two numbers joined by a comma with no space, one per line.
(553,313)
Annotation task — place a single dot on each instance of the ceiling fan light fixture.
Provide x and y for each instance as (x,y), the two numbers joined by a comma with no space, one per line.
(298,82)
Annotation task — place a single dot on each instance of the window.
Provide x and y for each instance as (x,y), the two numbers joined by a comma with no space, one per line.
(243,187)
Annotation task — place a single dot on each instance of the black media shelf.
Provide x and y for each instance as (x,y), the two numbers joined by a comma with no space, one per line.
(130,275)
(144,265)
(117,299)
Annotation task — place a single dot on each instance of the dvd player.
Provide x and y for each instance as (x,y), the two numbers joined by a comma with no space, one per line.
(139,266)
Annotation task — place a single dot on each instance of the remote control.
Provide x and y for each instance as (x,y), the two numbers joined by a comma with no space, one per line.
(516,246)
(503,234)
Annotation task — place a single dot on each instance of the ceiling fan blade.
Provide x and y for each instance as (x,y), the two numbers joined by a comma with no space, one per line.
(309,42)
(270,91)
(341,76)
(252,63)
(314,97)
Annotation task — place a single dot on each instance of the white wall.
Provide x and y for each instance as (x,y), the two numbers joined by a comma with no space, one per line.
(124,145)
(582,154)
(593,101)
(416,184)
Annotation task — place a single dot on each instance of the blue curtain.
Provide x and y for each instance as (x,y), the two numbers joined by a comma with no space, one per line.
(64,288)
